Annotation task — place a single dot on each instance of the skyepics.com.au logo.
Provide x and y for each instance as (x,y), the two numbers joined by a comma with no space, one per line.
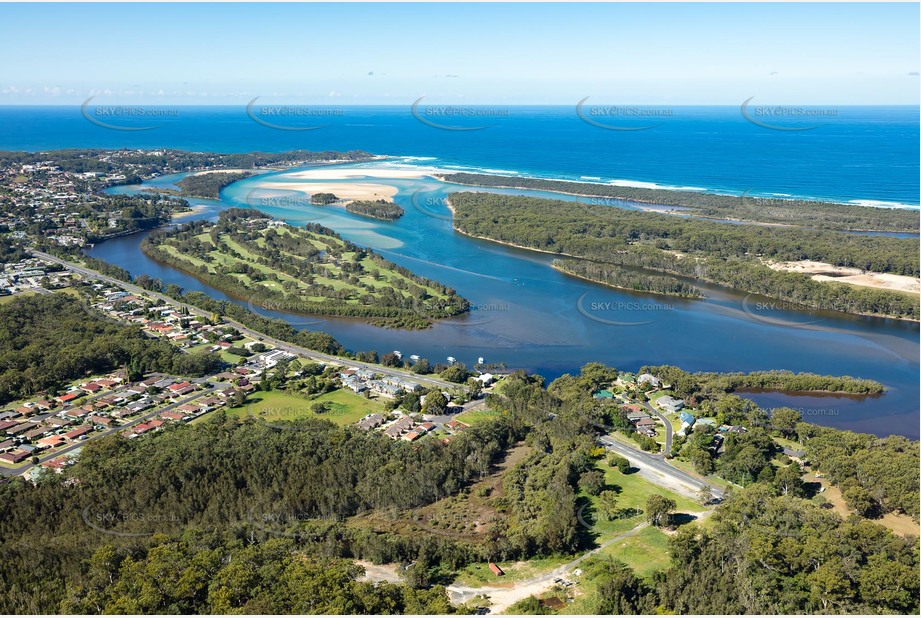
(308,207)
(457,117)
(781,313)
(806,412)
(431,204)
(773,206)
(617,312)
(134,524)
(126,117)
(480,314)
(785,117)
(287,523)
(622,117)
(292,117)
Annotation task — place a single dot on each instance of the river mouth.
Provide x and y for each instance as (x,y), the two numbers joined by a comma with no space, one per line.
(528,315)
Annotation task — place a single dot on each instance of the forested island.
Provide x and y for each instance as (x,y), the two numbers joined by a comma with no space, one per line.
(376,209)
(323,199)
(208,185)
(275,529)
(806,213)
(312,270)
(733,255)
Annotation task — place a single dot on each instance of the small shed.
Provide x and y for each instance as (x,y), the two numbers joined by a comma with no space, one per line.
(495,569)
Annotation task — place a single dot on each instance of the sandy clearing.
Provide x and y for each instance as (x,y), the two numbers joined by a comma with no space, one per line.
(826,272)
(379,572)
(898,523)
(348,191)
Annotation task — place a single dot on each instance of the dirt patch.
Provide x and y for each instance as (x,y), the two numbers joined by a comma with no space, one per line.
(821,271)
(379,572)
(897,522)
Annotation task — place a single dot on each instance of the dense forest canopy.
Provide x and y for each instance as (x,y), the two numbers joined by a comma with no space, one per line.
(628,279)
(726,254)
(377,209)
(208,185)
(192,507)
(48,340)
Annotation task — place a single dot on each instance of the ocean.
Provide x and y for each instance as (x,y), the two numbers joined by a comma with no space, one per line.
(848,154)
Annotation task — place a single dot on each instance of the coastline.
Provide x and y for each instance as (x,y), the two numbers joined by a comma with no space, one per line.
(642,205)
(647,205)
(863,203)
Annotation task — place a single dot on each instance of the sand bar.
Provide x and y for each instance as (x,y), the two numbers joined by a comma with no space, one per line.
(346,191)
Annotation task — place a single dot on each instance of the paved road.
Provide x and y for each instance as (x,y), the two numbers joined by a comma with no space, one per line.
(282,345)
(789,452)
(456,411)
(5,471)
(668,425)
(657,464)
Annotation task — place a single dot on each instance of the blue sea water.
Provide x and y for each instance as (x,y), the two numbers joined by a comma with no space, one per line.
(859,154)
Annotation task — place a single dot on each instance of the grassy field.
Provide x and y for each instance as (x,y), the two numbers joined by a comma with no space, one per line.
(472,417)
(226,356)
(644,552)
(632,493)
(478,574)
(345,407)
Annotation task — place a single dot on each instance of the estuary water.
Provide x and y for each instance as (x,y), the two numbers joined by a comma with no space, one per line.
(528,315)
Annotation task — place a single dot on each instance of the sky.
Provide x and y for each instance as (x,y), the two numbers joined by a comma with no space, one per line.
(392,54)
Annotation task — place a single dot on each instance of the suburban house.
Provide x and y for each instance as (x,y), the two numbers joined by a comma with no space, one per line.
(670,404)
(646,426)
(370,422)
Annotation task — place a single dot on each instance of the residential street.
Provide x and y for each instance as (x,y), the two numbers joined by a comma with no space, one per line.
(5,471)
(281,345)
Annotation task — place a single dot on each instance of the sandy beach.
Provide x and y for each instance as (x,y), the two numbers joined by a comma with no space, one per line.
(188,213)
(826,272)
